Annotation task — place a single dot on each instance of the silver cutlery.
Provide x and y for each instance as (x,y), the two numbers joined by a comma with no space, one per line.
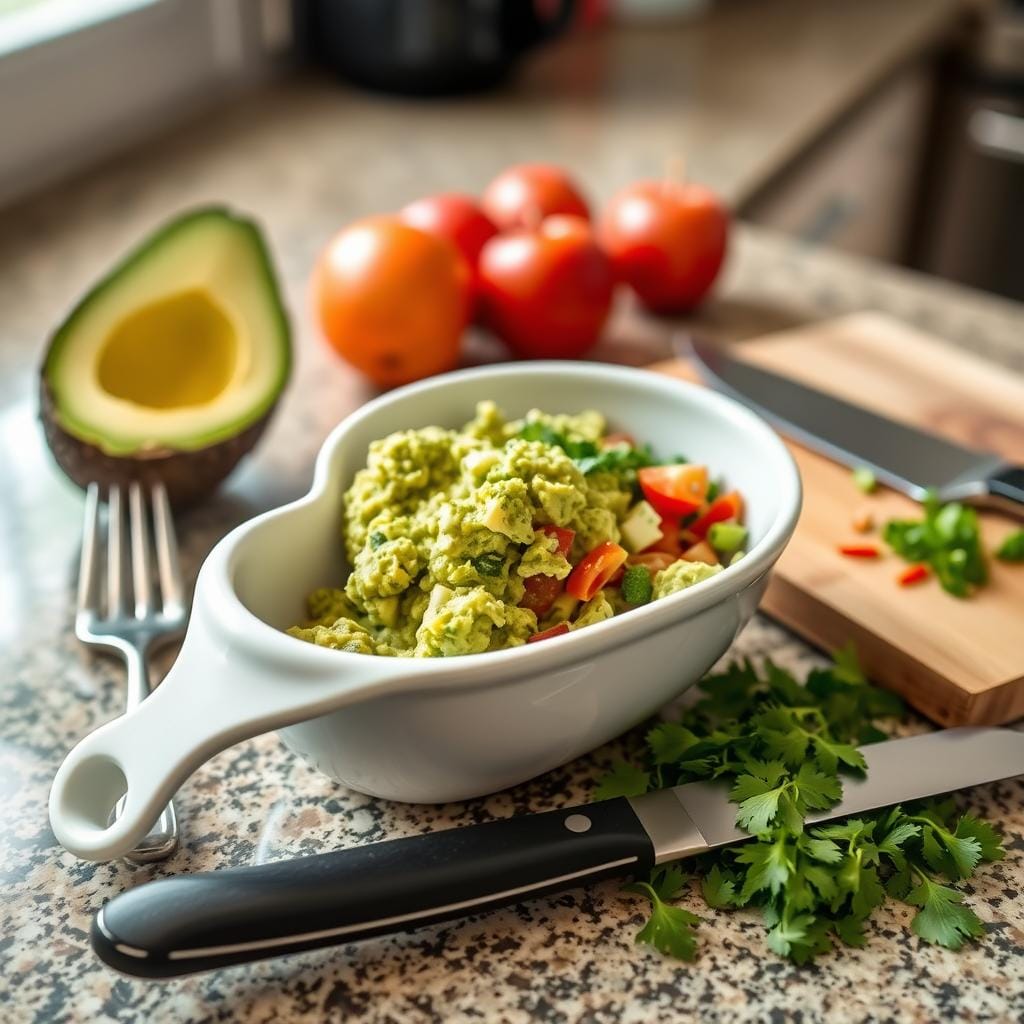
(901,456)
(137,605)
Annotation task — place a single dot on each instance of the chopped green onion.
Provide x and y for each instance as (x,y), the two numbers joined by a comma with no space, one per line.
(726,538)
(947,539)
(376,539)
(864,479)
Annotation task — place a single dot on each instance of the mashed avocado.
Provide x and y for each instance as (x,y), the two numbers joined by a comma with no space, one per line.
(445,529)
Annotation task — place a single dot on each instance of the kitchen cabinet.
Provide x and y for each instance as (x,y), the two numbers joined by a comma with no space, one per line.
(855,189)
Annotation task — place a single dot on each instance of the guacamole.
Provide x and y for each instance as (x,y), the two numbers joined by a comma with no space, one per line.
(472,540)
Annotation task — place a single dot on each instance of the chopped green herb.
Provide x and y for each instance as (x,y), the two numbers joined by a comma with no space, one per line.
(1012,547)
(376,539)
(784,748)
(536,431)
(947,539)
(671,930)
(713,491)
(636,585)
(864,479)
(727,537)
(488,564)
(621,458)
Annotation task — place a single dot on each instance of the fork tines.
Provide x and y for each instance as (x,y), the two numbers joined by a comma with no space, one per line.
(132,560)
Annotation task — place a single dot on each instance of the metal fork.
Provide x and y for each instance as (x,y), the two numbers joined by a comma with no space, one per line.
(109,619)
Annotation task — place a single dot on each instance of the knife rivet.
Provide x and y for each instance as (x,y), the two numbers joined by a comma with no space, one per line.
(578,823)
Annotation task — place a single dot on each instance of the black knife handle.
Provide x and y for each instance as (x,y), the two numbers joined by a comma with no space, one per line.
(1006,488)
(199,922)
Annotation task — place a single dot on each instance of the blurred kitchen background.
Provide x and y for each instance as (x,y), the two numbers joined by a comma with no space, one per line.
(892,129)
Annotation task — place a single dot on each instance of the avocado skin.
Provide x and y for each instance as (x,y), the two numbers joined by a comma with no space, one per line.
(188,476)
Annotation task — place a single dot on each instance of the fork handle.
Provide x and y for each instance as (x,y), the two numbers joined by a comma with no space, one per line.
(162,839)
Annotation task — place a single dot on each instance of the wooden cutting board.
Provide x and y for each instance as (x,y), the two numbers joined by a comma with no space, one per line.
(959,661)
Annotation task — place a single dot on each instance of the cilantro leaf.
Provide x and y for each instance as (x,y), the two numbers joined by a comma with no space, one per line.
(786,933)
(623,780)
(942,919)
(671,930)
(669,741)
(784,748)
(988,839)
(619,459)
(718,888)
(816,789)
(768,867)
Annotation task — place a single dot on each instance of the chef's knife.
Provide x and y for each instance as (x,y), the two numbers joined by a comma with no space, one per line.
(198,922)
(900,456)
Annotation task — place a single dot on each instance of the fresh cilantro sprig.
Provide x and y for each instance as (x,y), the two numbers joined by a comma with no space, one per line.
(670,929)
(784,747)
(590,457)
(948,539)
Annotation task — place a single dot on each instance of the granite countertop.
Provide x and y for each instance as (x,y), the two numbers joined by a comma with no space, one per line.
(305,158)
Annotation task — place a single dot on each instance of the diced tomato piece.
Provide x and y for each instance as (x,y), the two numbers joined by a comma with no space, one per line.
(859,550)
(655,561)
(596,568)
(702,551)
(725,508)
(913,574)
(540,592)
(617,438)
(670,538)
(563,536)
(674,491)
(547,634)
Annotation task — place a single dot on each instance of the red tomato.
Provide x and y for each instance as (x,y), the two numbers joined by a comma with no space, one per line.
(564,537)
(702,551)
(596,568)
(547,634)
(522,196)
(667,240)
(392,300)
(617,438)
(455,217)
(723,509)
(670,538)
(654,561)
(674,491)
(546,292)
(540,592)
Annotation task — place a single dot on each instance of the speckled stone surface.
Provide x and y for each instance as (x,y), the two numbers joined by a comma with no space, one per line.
(569,958)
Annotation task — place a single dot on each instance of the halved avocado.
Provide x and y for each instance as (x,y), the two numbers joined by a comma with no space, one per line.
(169,368)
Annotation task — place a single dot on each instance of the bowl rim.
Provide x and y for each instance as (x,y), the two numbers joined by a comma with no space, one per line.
(216,593)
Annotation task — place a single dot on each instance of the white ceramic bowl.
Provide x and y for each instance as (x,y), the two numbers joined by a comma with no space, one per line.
(428,730)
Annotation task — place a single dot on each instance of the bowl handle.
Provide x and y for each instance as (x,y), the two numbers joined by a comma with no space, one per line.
(214,696)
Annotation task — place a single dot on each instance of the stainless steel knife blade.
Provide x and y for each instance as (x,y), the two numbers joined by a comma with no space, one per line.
(898,771)
(901,456)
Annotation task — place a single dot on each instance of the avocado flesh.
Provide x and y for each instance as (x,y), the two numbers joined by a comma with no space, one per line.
(172,364)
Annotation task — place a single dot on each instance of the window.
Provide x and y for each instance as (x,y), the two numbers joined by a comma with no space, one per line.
(80,80)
